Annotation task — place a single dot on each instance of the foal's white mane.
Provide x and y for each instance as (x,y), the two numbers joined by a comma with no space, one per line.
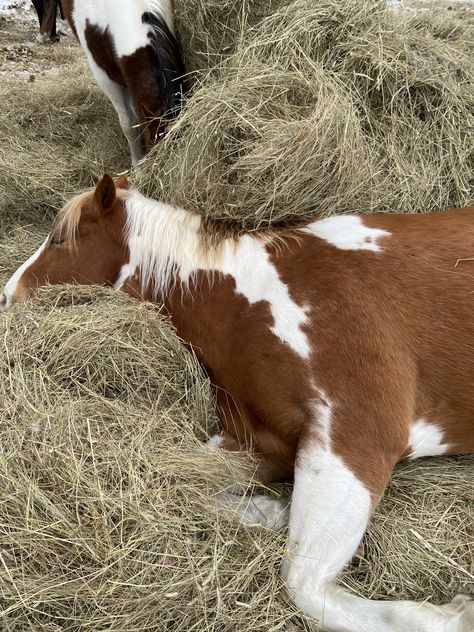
(166,244)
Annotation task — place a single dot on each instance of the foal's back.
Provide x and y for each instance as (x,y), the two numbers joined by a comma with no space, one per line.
(392,327)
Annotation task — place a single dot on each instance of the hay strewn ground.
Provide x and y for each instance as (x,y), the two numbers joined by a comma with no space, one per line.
(58,132)
(105,519)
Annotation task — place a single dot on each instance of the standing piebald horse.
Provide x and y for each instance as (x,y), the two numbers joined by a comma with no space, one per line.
(342,347)
(135,59)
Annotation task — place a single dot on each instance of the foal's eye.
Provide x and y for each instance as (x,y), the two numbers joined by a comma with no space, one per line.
(56,241)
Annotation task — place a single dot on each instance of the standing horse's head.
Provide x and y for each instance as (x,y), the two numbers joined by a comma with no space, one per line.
(84,246)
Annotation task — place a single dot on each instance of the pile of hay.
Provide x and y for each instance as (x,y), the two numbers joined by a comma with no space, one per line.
(209,30)
(59,134)
(106,515)
(325,107)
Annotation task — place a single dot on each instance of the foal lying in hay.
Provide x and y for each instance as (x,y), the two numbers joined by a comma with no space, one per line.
(325,356)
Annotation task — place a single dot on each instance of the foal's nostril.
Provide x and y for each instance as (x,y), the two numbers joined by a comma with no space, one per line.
(3,301)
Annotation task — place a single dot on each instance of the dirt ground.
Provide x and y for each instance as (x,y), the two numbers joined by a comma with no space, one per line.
(21,54)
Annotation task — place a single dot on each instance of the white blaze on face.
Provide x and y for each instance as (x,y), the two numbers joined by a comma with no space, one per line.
(426,439)
(6,299)
(347,232)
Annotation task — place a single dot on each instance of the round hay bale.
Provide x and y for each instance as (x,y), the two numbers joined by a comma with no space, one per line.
(106,513)
(209,30)
(59,133)
(325,107)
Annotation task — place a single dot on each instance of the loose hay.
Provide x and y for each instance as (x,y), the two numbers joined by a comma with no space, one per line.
(209,30)
(58,134)
(326,107)
(105,517)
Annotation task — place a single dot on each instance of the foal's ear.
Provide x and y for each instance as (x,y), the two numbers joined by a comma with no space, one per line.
(104,194)
(122,181)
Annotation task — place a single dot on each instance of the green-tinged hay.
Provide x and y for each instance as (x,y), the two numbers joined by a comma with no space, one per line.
(59,133)
(107,520)
(325,107)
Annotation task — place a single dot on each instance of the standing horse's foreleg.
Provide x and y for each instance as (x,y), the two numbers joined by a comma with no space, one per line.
(332,502)
(39,8)
(120,99)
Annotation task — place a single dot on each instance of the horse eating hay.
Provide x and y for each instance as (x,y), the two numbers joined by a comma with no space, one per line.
(327,357)
(134,56)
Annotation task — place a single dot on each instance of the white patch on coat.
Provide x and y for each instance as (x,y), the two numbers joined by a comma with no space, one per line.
(123,19)
(329,513)
(11,285)
(347,232)
(426,439)
(323,415)
(165,245)
(257,279)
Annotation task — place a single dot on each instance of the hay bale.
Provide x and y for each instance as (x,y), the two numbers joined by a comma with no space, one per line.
(325,107)
(106,521)
(59,133)
(209,30)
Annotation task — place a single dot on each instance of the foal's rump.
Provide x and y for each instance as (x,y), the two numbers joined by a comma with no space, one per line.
(405,311)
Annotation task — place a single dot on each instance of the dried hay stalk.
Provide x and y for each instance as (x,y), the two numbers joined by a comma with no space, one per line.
(58,134)
(326,107)
(106,520)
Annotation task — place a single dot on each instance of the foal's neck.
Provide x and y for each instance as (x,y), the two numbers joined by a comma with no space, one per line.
(169,245)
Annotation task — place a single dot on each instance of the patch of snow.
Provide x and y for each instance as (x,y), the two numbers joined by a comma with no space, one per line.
(8,7)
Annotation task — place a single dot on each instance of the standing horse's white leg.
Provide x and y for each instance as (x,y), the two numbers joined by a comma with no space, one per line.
(329,513)
(120,99)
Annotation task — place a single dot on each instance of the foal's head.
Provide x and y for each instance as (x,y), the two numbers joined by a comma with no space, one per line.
(85,245)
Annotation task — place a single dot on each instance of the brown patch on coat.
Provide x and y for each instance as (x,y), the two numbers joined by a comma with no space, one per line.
(393,335)
(68,8)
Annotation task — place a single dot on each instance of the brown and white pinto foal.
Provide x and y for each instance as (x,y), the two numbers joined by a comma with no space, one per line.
(135,59)
(337,349)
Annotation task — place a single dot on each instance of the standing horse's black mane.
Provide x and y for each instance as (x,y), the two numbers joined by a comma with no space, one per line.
(169,64)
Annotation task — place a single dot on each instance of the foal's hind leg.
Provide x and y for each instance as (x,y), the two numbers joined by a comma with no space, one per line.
(330,510)
(255,510)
